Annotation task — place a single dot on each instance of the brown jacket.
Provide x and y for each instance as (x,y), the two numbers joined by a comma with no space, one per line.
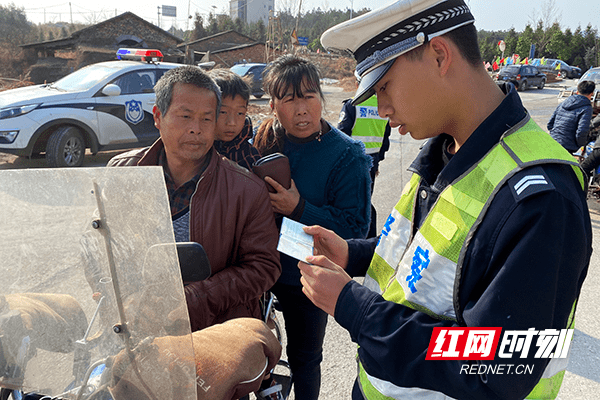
(232,218)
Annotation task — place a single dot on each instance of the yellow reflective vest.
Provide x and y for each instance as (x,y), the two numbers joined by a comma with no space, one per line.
(418,270)
(369,127)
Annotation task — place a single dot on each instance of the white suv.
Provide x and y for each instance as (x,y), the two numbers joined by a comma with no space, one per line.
(104,106)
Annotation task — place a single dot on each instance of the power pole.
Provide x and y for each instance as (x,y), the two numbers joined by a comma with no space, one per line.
(274,35)
(187,24)
(298,17)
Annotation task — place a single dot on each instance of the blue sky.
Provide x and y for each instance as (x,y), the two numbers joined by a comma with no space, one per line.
(490,15)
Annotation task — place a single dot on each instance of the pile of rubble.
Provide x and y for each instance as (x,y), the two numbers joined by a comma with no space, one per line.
(13,83)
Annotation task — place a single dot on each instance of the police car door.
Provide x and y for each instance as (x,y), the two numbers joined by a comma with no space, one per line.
(127,117)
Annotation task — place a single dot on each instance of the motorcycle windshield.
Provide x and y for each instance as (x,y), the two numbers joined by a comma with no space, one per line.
(91,295)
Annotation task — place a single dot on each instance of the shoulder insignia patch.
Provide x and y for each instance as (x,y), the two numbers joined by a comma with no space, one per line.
(528,182)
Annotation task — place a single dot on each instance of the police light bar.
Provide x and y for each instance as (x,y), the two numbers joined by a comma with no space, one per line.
(147,55)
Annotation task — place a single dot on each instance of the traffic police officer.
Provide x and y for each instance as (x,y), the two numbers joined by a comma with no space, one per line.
(492,230)
(363,123)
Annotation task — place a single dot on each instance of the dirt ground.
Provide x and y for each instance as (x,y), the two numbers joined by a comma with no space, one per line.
(258,110)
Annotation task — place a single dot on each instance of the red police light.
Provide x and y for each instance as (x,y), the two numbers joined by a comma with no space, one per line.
(147,55)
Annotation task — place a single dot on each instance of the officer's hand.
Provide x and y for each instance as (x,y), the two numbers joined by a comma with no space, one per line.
(285,200)
(322,282)
(329,244)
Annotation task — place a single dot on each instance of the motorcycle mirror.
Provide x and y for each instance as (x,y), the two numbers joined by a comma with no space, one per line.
(193,262)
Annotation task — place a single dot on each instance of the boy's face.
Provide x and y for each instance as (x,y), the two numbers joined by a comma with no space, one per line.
(231,119)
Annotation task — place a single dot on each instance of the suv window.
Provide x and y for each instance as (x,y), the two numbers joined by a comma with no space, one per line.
(136,82)
(514,69)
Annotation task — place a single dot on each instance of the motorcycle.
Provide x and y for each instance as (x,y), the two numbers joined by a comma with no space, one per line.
(593,193)
(92,301)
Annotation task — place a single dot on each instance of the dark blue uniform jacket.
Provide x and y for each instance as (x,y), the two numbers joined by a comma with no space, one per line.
(524,269)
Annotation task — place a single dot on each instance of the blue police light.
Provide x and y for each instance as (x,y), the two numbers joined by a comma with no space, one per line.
(148,55)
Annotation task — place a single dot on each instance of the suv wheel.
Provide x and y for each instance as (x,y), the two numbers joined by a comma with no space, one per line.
(542,83)
(523,86)
(65,148)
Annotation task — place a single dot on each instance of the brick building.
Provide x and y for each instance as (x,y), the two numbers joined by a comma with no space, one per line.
(99,42)
(225,49)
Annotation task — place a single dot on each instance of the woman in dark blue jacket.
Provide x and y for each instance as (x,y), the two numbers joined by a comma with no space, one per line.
(331,187)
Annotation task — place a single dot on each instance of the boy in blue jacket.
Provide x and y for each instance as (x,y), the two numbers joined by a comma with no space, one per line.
(570,122)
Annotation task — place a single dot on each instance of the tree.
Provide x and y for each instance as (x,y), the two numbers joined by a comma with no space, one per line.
(199,32)
(511,39)
(213,25)
(560,45)
(14,27)
(524,42)
(546,24)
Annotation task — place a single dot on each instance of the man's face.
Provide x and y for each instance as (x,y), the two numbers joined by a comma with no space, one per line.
(188,128)
(406,95)
(231,118)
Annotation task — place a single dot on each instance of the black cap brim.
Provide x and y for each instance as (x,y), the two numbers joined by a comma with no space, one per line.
(366,87)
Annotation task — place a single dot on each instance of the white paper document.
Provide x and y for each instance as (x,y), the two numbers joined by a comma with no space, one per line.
(293,241)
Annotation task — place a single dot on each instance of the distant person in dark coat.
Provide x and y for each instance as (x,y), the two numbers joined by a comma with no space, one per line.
(570,123)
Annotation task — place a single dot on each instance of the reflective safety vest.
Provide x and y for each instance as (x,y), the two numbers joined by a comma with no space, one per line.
(419,270)
(369,127)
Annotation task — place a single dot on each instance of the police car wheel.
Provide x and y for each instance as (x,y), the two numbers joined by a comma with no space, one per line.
(65,148)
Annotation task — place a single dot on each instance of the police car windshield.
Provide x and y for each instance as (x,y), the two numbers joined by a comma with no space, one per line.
(241,69)
(591,75)
(85,78)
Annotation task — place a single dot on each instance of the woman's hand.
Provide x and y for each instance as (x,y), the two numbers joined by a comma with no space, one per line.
(285,200)
(329,244)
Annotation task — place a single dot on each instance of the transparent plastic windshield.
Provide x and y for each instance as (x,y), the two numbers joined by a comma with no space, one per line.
(91,296)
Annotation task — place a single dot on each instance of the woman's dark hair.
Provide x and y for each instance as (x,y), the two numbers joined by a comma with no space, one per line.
(291,71)
(287,72)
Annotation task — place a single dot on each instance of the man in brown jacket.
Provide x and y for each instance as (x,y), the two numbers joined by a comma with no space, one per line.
(213,201)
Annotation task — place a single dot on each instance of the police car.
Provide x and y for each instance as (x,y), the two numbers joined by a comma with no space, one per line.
(104,106)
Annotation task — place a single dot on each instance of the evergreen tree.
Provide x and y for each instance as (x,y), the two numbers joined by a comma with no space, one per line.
(14,27)
(199,32)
